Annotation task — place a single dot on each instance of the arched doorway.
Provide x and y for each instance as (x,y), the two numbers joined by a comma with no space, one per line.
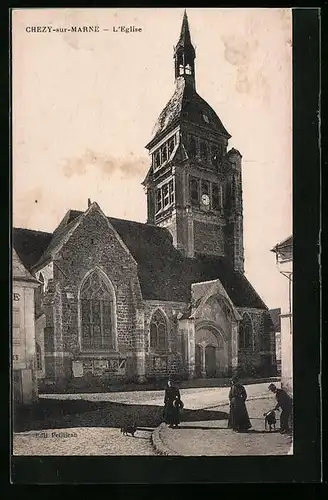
(198,361)
(211,352)
(210,360)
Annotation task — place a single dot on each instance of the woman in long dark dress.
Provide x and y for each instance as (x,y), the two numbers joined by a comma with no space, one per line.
(238,416)
(172,405)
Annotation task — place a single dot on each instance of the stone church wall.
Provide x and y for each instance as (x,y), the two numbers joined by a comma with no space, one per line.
(93,244)
(251,361)
(171,362)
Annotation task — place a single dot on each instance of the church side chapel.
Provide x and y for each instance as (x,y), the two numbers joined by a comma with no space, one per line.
(129,301)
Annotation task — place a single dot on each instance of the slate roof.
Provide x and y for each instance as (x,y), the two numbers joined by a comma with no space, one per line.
(19,271)
(164,274)
(287,243)
(187,105)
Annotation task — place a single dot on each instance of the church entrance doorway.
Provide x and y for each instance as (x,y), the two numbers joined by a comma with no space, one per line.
(198,361)
(210,361)
(211,353)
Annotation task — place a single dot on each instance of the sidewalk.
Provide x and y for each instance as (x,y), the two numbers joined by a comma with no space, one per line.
(213,438)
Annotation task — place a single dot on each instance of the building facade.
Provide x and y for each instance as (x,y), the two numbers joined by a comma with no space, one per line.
(24,353)
(124,300)
(284,259)
(276,320)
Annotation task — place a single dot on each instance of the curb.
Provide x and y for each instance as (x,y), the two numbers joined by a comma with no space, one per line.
(162,449)
(159,446)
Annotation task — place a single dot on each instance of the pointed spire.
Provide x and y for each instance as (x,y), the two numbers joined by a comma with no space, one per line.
(185,39)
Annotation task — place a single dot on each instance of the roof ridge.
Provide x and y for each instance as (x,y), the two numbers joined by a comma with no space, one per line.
(31,230)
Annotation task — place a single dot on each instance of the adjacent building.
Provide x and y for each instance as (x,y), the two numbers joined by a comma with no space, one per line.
(24,354)
(276,320)
(125,300)
(284,259)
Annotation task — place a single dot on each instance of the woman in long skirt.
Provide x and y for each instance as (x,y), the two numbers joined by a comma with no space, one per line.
(238,416)
(172,405)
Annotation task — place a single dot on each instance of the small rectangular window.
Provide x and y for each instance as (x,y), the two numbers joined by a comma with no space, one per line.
(159,204)
(171,192)
(166,197)
(16,318)
(215,197)
(194,191)
(171,145)
(157,159)
(215,155)
(205,187)
(192,147)
(164,153)
(203,150)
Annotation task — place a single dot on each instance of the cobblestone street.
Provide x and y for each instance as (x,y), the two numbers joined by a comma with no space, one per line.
(93,423)
(212,438)
(83,441)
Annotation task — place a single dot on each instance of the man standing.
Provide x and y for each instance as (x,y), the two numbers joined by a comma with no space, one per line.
(284,401)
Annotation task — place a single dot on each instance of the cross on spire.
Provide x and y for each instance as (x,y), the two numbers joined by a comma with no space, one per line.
(184,53)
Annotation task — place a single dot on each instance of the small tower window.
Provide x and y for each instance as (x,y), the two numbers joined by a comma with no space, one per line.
(157,159)
(194,191)
(205,187)
(215,197)
(181,69)
(192,147)
(203,149)
(164,153)
(171,192)
(206,119)
(215,155)
(166,197)
(188,69)
(171,145)
(159,204)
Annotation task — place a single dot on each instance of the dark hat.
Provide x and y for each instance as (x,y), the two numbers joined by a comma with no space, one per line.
(234,379)
(272,386)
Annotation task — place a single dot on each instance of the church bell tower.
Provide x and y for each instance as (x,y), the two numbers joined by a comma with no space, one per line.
(194,184)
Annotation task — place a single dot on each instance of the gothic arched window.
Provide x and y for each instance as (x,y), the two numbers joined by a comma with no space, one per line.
(38,297)
(38,357)
(97,306)
(245,333)
(158,332)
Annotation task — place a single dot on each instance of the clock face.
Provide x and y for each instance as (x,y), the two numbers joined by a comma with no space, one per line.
(205,199)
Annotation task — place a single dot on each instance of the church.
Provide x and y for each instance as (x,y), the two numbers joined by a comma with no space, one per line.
(129,301)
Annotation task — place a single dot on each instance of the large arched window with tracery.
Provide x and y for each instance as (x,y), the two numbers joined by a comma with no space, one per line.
(245,333)
(158,332)
(97,306)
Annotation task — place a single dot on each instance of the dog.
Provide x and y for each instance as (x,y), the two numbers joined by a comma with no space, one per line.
(129,429)
(270,420)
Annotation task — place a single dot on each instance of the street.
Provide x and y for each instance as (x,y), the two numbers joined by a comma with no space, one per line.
(89,424)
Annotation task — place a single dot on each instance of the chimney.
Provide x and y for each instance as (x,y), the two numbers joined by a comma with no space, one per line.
(89,202)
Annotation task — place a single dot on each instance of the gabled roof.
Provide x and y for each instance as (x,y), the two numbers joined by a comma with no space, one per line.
(19,271)
(164,274)
(186,105)
(287,243)
(30,245)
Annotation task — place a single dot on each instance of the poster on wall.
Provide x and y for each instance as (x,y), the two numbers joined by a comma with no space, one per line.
(100,366)
(121,366)
(77,367)
(160,363)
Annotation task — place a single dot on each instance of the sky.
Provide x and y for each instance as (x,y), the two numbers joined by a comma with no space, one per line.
(84,106)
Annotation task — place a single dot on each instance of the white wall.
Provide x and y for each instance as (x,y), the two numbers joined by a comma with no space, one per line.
(23,345)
